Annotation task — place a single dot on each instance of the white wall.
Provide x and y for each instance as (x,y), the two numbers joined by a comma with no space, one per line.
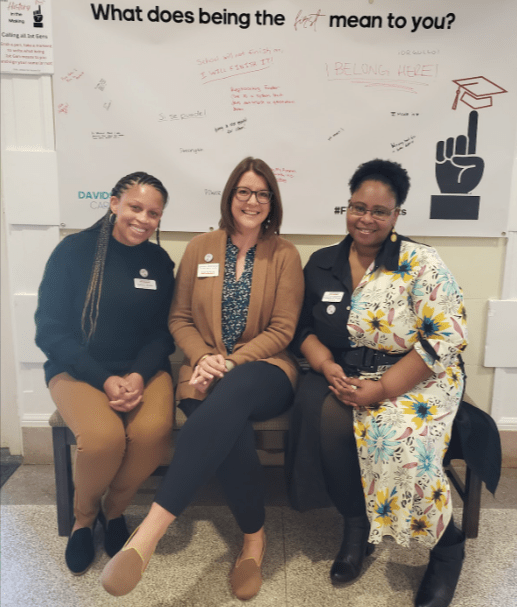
(11,433)
(29,173)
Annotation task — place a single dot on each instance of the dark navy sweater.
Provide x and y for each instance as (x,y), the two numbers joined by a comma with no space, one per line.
(132,333)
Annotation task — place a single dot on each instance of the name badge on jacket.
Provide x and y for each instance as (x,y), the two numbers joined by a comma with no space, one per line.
(335,296)
(204,270)
(143,283)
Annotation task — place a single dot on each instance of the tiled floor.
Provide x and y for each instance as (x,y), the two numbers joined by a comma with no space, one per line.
(192,562)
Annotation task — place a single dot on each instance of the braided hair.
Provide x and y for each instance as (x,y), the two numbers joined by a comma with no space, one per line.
(105,226)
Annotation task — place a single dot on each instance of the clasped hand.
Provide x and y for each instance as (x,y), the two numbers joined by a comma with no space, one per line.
(208,370)
(124,393)
(359,393)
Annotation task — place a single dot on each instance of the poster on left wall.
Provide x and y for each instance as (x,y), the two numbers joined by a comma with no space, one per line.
(26,33)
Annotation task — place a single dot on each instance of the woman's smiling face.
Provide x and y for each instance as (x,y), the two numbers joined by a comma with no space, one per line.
(366,230)
(250,215)
(138,210)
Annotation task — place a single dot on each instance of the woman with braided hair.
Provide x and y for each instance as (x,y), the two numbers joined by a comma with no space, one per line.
(101,321)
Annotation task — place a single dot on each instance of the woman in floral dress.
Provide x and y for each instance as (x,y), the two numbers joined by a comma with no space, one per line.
(382,327)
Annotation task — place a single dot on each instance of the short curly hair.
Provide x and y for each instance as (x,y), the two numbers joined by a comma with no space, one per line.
(390,173)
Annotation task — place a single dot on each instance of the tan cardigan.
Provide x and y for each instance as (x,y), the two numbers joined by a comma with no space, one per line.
(276,297)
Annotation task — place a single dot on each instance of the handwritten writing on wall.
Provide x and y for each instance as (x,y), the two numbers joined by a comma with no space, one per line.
(267,94)
(106,135)
(397,147)
(236,63)
(232,127)
(284,175)
(404,114)
(164,117)
(403,76)
(341,130)
(73,75)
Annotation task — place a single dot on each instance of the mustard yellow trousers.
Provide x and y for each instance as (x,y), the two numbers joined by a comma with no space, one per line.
(115,452)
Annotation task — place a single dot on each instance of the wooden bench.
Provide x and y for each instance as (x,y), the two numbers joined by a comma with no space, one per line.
(270,436)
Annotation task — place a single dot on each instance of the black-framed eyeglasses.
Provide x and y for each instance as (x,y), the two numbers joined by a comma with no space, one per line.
(359,210)
(244,194)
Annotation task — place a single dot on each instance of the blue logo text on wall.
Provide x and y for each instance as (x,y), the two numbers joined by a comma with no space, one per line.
(97,200)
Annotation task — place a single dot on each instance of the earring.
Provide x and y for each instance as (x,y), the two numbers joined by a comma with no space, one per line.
(112,218)
(393,236)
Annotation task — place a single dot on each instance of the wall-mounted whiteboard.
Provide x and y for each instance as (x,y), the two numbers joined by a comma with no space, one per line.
(185,90)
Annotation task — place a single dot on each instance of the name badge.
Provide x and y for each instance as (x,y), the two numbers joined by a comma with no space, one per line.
(142,283)
(205,270)
(336,296)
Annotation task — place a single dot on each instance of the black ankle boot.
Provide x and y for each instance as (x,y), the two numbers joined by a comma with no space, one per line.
(441,576)
(349,561)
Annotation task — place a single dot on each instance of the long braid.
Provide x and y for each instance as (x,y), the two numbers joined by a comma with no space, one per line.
(93,294)
(90,312)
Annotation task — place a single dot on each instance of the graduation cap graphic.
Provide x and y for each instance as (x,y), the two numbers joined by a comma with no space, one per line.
(476,92)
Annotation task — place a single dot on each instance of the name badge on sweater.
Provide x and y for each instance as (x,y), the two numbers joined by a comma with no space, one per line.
(205,270)
(142,283)
(336,296)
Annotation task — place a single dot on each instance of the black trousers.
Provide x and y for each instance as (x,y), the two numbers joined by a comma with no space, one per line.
(218,438)
(321,455)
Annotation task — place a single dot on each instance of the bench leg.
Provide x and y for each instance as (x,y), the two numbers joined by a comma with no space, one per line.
(471,504)
(64,482)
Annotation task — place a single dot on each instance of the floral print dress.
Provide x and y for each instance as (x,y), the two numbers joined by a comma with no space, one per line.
(236,294)
(401,444)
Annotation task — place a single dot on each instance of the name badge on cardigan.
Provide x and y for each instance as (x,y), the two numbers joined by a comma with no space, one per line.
(335,296)
(204,270)
(142,283)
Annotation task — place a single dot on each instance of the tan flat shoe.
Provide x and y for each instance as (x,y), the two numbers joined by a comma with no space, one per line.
(124,570)
(246,576)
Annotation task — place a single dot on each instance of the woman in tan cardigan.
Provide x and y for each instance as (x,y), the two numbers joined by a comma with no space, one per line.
(237,300)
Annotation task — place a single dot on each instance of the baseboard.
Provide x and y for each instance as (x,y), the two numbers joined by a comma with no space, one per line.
(35,420)
(507,423)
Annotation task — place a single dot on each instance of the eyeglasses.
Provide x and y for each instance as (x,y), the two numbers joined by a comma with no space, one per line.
(244,194)
(359,210)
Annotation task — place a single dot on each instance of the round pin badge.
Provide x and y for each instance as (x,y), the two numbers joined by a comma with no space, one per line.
(144,273)
(208,257)
(331,309)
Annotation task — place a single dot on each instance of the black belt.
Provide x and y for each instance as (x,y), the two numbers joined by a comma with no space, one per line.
(364,359)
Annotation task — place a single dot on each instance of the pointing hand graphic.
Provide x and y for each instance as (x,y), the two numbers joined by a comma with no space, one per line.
(458,169)
(38,17)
